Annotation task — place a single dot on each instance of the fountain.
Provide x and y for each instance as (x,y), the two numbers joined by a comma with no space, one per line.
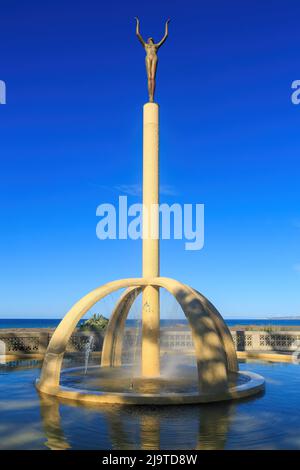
(217,375)
(87,351)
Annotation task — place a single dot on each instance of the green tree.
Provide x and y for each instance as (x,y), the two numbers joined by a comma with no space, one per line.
(96,323)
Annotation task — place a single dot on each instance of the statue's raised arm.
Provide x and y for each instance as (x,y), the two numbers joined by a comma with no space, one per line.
(160,43)
(138,32)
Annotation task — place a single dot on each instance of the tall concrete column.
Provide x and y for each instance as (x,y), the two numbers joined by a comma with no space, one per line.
(150,312)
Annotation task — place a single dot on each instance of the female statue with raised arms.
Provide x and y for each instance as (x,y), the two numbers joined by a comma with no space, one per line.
(151,56)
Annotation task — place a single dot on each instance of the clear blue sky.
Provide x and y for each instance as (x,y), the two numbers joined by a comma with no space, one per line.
(70,135)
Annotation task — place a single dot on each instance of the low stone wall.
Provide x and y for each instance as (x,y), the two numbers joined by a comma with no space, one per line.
(33,342)
(285,341)
(244,340)
(24,342)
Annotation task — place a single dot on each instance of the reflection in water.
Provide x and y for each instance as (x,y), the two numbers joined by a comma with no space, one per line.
(214,425)
(52,423)
(118,430)
(150,431)
(144,427)
(267,421)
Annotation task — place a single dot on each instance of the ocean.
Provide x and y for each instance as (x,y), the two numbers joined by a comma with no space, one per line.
(52,323)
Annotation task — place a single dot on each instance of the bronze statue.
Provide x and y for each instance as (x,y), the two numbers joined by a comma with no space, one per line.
(151,57)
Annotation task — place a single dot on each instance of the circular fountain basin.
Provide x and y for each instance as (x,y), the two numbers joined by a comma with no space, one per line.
(118,386)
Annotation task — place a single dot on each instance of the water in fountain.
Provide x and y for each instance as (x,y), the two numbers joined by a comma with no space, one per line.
(136,350)
(87,351)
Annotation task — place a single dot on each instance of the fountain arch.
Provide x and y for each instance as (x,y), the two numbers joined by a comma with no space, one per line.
(112,346)
(214,349)
(210,352)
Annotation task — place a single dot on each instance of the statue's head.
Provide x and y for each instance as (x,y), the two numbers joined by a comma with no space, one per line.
(150,41)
